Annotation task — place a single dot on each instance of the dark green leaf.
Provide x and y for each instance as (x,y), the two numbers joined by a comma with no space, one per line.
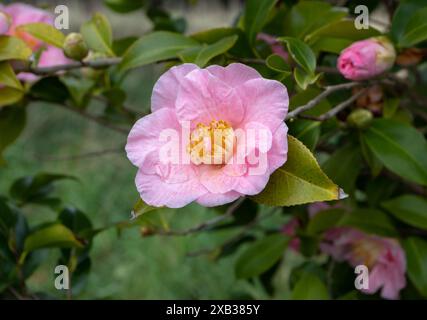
(310,287)
(410,209)
(301,53)
(255,16)
(416,258)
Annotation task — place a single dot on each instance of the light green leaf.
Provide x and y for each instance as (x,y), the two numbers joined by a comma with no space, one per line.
(156,46)
(401,148)
(300,180)
(410,209)
(141,208)
(203,54)
(55,235)
(97,34)
(13,48)
(255,16)
(44,32)
(301,53)
(260,256)
(416,258)
(8,77)
(305,79)
(310,287)
(9,96)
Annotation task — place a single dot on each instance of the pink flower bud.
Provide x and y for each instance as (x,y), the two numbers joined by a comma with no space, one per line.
(367,58)
(4,23)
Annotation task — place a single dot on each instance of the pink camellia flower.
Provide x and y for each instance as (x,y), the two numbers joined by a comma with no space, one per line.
(4,22)
(384,258)
(366,58)
(290,230)
(214,135)
(21,14)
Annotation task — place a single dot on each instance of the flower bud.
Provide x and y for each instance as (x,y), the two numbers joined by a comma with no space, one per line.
(360,118)
(367,58)
(5,22)
(75,47)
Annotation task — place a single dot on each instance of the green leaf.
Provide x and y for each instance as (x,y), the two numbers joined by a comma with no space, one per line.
(331,45)
(416,258)
(8,77)
(55,235)
(255,16)
(410,209)
(390,107)
(124,6)
(260,256)
(304,79)
(9,96)
(156,46)
(79,89)
(50,89)
(301,53)
(300,180)
(370,221)
(343,167)
(141,208)
(44,32)
(324,220)
(12,123)
(416,29)
(306,131)
(277,63)
(97,34)
(203,54)
(310,287)
(403,15)
(401,148)
(13,48)
(373,162)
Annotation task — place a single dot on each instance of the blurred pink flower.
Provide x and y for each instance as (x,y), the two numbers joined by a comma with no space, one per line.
(4,22)
(276,46)
(290,230)
(21,14)
(200,105)
(366,58)
(384,258)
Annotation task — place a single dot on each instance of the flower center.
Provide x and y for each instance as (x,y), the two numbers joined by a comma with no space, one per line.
(367,251)
(211,144)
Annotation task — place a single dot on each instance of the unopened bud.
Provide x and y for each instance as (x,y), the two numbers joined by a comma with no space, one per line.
(360,118)
(75,47)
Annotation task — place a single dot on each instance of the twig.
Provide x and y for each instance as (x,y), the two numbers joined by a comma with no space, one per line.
(331,113)
(205,225)
(99,63)
(312,103)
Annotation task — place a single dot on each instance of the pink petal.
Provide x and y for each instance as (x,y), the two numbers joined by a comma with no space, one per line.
(234,74)
(165,90)
(203,97)
(211,199)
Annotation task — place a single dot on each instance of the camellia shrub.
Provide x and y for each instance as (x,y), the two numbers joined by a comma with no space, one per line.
(302,126)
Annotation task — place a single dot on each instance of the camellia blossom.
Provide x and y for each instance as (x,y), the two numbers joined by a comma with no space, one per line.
(21,14)
(366,58)
(384,258)
(4,22)
(232,136)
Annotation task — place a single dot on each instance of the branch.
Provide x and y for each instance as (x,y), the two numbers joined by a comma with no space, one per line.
(312,103)
(207,224)
(99,63)
(331,113)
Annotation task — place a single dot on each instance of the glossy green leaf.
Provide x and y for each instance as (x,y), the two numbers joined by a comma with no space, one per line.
(305,79)
(416,259)
(410,209)
(401,148)
(256,14)
(301,53)
(260,256)
(13,48)
(403,16)
(44,32)
(124,6)
(300,180)
(416,29)
(8,77)
(310,287)
(55,235)
(277,63)
(156,46)
(12,123)
(370,221)
(306,131)
(97,34)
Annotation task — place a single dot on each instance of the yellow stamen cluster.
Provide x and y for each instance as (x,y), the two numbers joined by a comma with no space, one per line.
(366,251)
(211,144)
